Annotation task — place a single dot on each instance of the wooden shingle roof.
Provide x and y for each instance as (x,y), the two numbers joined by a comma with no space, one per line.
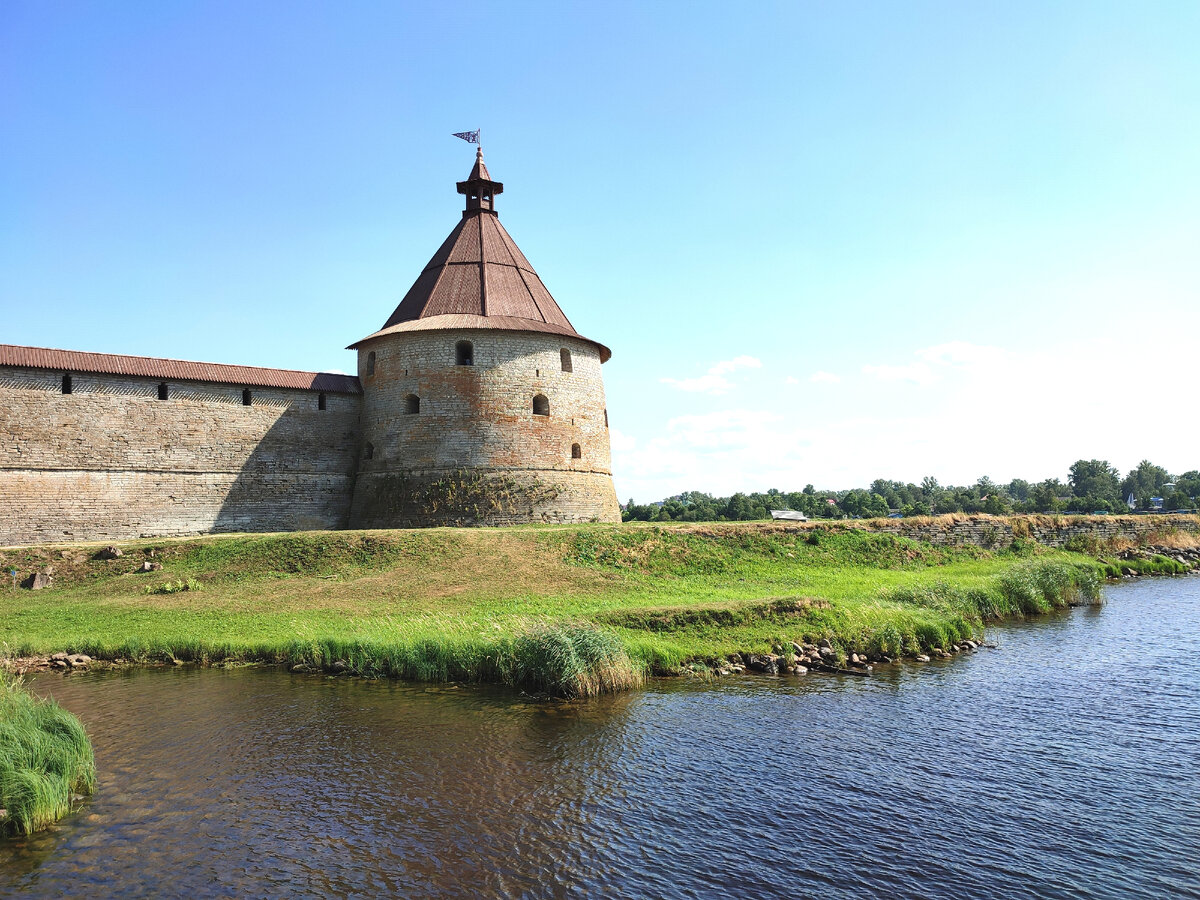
(481,276)
(175,369)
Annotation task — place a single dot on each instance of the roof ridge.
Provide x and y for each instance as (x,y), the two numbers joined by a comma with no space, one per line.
(56,359)
(191,362)
(491,288)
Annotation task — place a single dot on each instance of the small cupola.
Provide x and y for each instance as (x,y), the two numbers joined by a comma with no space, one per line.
(481,191)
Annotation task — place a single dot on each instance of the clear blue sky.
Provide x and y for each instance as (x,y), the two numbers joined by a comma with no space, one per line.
(827,242)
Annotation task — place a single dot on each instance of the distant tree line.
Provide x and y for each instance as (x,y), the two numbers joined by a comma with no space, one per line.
(1092,486)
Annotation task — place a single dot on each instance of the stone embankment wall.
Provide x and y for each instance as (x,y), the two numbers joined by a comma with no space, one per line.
(111,461)
(1052,531)
(470,449)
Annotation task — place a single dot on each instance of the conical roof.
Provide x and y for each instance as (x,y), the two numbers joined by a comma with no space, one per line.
(479,278)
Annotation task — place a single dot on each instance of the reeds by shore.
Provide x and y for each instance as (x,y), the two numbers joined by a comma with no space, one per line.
(45,758)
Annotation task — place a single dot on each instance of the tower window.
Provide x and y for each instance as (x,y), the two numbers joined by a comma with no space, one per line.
(371,363)
(576,452)
(246,398)
(606,418)
(162,391)
(541,406)
(66,384)
(412,404)
(464,354)
(369,451)
(564,356)
(321,404)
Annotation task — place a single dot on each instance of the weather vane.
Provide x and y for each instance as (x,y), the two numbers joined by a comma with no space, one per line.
(471,137)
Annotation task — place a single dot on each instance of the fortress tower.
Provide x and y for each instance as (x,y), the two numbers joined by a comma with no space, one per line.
(481,403)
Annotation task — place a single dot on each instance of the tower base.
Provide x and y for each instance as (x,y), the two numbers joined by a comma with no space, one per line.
(410,499)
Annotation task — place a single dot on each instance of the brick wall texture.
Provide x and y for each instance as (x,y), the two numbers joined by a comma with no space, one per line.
(474,451)
(1050,530)
(112,461)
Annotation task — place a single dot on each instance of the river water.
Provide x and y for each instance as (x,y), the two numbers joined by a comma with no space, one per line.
(1065,763)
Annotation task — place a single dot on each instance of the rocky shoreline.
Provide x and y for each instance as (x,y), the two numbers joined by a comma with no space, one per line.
(801,658)
(1135,560)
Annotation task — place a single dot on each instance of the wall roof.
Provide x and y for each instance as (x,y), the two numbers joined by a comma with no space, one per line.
(480,272)
(175,369)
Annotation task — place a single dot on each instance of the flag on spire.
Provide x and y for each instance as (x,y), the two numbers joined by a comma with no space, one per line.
(471,137)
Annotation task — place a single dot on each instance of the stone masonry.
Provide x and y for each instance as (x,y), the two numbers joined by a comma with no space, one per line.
(993,532)
(475,434)
(111,461)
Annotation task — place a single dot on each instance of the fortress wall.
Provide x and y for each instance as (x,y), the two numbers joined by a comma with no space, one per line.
(406,499)
(993,532)
(480,418)
(1050,530)
(111,460)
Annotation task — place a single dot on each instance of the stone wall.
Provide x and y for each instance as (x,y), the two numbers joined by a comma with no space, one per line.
(1052,531)
(479,418)
(406,499)
(110,460)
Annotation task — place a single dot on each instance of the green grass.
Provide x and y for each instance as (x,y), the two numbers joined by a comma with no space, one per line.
(45,757)
(1155,565)
(567,610)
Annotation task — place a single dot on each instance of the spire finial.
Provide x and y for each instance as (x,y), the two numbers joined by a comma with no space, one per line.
(479,187)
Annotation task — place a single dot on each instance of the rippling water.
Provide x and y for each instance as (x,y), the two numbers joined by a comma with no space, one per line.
(1066,763)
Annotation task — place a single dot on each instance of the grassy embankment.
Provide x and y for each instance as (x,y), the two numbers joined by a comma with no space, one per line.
(45,757)
(569,610)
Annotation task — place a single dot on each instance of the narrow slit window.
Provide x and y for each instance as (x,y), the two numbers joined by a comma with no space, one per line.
(321,402)
(541,406)
(606,418)
(464,354)
(369,451)
(412,405)
(564,356)
(66,384)
(371,363)
(246,397)
(576,452)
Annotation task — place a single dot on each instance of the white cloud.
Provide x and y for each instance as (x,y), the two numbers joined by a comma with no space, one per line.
(961,353)
(620,442)
(791,379)
(823,378)
(917,373)
(738,362)
(953,357)
(983,410)
(715,382)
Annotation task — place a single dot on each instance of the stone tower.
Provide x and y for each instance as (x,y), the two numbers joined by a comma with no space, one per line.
(481,403)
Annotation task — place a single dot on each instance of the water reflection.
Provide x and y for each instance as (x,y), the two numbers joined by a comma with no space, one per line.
(1063,764)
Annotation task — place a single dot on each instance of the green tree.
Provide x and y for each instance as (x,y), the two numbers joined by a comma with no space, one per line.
(1144,482)
(997,504)
(1043,497)
(1095,480)
(1019,489)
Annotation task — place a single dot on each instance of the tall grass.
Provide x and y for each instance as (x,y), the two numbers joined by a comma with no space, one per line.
(570,661)
(45,756)
(1031,588)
